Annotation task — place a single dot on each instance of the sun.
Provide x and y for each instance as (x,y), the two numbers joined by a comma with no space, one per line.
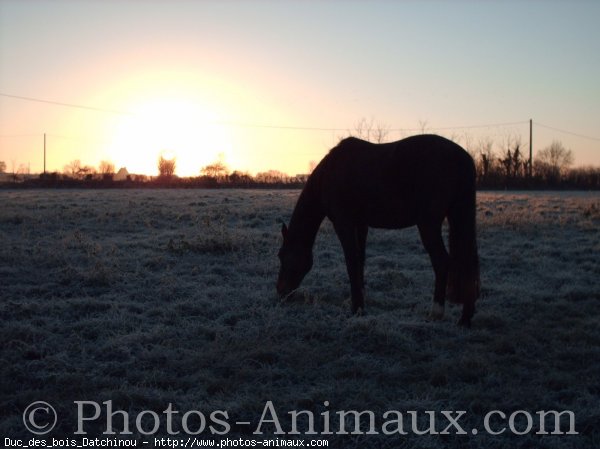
(175,128)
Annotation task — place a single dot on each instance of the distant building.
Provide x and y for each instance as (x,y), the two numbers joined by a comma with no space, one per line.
(121,175)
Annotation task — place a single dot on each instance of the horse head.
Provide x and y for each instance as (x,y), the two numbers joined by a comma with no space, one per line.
(295,261)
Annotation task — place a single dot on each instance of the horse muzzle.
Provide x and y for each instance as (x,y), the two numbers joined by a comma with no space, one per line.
(283,288)
(287,285)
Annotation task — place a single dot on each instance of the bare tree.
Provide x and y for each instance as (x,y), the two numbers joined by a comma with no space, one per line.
(362,129)
(380,133)
(512,162)
(106,168)
(87,172)
(23,169)
(2,167)
(166,167)
(485,165)
(553,161)
(271,176)
(240,177)
(518,163)
(76,170)
(467,141)
(370,131)
(216,170)
(73,168)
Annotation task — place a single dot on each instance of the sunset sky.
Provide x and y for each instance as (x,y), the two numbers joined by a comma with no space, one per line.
(274,85)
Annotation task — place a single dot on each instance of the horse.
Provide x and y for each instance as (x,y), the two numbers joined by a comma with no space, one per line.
(417,181)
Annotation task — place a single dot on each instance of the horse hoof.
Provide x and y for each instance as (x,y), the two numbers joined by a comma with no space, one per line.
(359,311)
(466,323)
(437,312)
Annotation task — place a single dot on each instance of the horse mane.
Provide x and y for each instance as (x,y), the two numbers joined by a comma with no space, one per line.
(308,213)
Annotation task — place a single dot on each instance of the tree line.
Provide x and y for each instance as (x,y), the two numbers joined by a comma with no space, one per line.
(215,175)
(499,166)
(510,168)
(506,164)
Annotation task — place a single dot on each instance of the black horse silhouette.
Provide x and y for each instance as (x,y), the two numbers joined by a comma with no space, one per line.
(419,181)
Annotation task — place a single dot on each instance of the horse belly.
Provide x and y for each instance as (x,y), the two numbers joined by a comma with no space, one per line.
(390,217)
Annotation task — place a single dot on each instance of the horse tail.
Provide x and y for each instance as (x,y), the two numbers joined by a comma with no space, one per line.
(463,276)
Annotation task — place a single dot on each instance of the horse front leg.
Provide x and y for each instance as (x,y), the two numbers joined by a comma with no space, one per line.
(349,238)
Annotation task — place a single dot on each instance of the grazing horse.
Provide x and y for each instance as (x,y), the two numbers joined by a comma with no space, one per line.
(420,180)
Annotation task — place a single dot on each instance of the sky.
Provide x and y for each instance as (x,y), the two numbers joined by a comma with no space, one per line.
(263,85)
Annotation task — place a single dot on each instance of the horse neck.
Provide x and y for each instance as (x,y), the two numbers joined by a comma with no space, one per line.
(306,218)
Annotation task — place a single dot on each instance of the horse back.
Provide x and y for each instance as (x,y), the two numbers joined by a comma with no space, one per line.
(394,185)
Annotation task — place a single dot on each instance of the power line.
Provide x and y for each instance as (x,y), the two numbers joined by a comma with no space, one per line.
(285,127)
(567,132)
(219,122)
(490,125)
(324,129)
(290,127)
(257,125)
(11,136)
(68,105)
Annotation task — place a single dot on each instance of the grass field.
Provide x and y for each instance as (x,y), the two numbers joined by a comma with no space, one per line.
(151,297)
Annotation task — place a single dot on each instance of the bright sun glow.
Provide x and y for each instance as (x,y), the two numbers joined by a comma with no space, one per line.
(171,128)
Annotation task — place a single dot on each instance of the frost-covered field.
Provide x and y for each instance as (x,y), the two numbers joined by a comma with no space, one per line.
(151,297)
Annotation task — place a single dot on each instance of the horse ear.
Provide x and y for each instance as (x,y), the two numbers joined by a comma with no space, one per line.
(284,230)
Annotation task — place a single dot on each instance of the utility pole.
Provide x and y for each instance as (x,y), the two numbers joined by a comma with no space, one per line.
(530,148)
(44,153)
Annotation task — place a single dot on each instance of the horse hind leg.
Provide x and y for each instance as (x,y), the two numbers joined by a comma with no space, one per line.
(467,314)
(362,232)
(431,236)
